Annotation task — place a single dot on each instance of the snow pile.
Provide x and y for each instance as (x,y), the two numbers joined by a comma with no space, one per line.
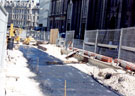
(19,80)
(56,52)
(123,83)
(118,80)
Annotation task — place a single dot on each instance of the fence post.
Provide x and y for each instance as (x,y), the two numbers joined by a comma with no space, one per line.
(120,44)
(44,36)
(84,40)
(96,41)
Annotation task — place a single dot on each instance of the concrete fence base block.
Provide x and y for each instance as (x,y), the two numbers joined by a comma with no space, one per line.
(125,64)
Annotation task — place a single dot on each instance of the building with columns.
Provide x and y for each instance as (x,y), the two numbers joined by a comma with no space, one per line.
(22,13)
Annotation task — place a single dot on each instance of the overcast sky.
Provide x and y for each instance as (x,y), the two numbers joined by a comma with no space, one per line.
(37,0)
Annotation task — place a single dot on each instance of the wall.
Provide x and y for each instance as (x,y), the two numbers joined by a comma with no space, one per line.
(44,12)
(3,29)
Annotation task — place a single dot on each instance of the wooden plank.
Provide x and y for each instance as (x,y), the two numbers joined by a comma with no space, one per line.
(53,36)
(71,54)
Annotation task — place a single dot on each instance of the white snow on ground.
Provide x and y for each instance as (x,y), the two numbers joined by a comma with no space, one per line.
(19,81)
(119,81)
(18,77)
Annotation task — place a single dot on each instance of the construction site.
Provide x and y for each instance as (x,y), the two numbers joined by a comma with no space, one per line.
(38,63)
(54,67)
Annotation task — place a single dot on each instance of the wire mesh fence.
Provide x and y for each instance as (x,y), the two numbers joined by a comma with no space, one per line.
(90,40)
(128,44)
(116,43)
(78,43)
(104,42)
(69,39)
(47,36)
(107,42)
(38,35)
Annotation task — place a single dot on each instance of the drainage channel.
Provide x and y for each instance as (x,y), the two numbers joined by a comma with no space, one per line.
(52,78)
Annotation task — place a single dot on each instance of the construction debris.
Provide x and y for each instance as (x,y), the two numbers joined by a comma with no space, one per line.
(71,54)
(42,48)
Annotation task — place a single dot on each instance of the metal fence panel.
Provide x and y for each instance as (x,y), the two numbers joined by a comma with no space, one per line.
(39,35)
(109,36)
(47,36)
(108,41)
(128,45)
(128,38)
(78,43)
(69,38)
(89,40)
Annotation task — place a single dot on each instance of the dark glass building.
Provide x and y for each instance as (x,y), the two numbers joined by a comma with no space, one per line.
(81,15)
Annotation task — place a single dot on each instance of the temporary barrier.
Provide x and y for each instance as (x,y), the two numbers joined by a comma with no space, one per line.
(69,39)
(87,53)
(78,43)
(125,64)
(104,58)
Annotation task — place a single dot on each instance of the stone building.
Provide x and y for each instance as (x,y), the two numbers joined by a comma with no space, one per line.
(22,14)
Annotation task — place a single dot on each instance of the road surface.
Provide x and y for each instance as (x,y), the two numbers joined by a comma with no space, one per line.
(52,77)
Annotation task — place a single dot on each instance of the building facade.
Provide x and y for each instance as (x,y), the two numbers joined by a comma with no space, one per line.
(81,15)
(22,14)
(58,15)
(44,13)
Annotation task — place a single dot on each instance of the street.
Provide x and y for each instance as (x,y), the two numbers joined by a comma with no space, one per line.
(52,77)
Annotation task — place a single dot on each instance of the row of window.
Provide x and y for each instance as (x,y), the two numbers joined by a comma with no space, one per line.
(22,24)
(23,11)
(24,17)
(58,6)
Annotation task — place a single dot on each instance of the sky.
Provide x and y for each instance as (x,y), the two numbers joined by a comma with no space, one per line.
(37,0)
